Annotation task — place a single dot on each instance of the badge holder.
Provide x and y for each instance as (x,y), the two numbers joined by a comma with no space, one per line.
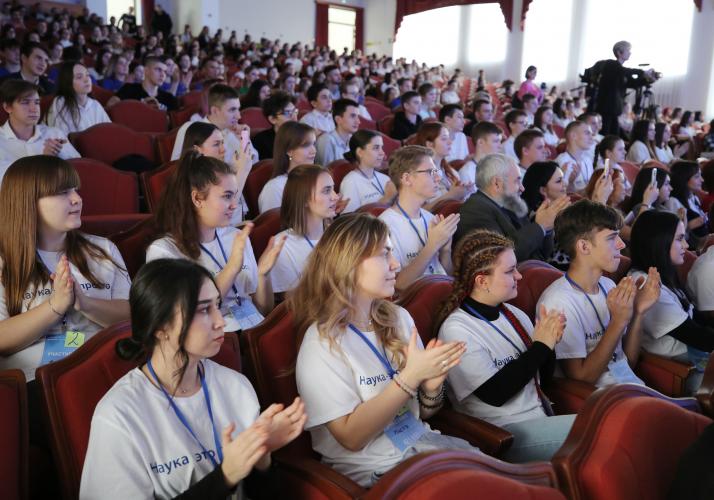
(60,345)
(245,313)
(405,430)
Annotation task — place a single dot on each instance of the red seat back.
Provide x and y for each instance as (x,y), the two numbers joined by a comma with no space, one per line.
(257,178)
(106,190)
(423,300)
(107,225)
(254,118)
(386,124)
(139,116)
(626,443)
(101,94)
(133,242)
(13,434)
(457,164)
(191,100)
(630,169)
(470,145)
(390,145)
(447,207)
(621,271)
(181,116)
(536,278)
(154,183)
(266,225)
(72,387)
(165,145)
(375,209)
(107,142)
(338,170)
(365,124)
(376,109)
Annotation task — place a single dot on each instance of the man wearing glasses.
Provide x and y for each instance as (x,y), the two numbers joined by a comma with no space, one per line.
(278,109)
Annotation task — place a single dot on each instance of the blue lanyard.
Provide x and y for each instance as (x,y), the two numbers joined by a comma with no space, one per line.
(482,318)
(309,242)
(577,287)
(49,271)
(185,423)
(378,186)
(426,227)
(382,357)
(220,267)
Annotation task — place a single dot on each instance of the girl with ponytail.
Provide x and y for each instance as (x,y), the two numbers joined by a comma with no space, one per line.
(507,359)
(180,425)
(195,216)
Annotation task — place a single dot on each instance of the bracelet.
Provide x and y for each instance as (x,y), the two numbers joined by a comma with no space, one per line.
(404,386)
(438,397)
(431,407)
(49,302)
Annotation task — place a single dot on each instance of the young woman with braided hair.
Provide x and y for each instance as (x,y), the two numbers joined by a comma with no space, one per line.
(506,360)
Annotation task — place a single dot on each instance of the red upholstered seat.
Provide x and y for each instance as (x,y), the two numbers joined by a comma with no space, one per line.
(457,164)
(373,208)
(411,140)
(258,177)
(266,225)
(254,118)
(365,124)
(106,225)
(73,386)
(447,207)
(133,242)
(537,276)
(390,145)
(181,116)
(386,124)
(460,475)
(101,94)
(376,109)
(13,434)
(107,142)
(470,145)
(191,100)
(621,271)
(106,190)
(559,131)
(165,145)
(154,182)
(339,169)
(631,170)
(139,116)
(626,444)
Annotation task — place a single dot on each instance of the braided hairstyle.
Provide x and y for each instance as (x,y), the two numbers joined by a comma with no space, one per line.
(475,254)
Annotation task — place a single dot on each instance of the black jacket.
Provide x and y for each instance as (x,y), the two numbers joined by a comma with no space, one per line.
(615,79)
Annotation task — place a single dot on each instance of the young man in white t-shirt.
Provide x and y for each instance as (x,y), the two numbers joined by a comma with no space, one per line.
(421,241)
(224,113)
(486,137)
(320,118)
(576,161)
(516,123)
(22,135)
(530,148)
(333,145)
(601,341)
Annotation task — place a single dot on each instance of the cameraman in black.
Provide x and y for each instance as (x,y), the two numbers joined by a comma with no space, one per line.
(614,80)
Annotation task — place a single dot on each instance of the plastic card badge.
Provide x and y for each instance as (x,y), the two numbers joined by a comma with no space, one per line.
(405,429)
(60,345)
(246,314)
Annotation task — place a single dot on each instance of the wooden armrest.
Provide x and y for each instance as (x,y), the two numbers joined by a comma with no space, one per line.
(705,393)
(490,438)
(303,473)
(663,374)
(678,368)
(568,395)
(570,385)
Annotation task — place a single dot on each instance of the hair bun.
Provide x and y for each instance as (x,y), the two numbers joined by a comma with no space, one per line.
(129,348)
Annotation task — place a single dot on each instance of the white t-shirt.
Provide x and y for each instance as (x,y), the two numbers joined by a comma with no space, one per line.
(332,382)
(509,147)
(638,153)
(405,242)
(586,170)
(467,173)
(292,259)
(89,114)
(362,190)
(246,281)
(459,147)
(551,139)
(663,317)
(487,353)
(583,330)
(664,154)
(700,281)
(272,194)
(115,283)
(319,121)
(139,449)
(12,148)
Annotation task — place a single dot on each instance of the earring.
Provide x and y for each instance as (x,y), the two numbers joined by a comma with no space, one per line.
(290,158)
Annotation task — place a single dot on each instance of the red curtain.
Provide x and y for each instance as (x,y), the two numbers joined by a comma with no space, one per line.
(321,24)
(698,3)
(147,12)
(359,29)
(406,7)
(526,4)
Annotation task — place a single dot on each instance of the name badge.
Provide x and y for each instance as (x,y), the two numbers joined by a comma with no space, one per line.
(59,346)
(622,372)
(245,314)
(405,429)
(698,358)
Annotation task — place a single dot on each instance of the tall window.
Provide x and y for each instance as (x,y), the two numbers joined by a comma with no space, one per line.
(546,42)
(431,37)
(488,34)
(118,7)
(659,31)
(341,28)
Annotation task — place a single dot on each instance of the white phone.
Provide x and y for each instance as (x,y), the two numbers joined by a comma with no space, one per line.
(607,167)
(653,180)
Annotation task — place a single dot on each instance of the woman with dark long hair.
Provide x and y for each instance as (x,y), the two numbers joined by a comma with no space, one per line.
(686,179)
(642,145)
(72,109)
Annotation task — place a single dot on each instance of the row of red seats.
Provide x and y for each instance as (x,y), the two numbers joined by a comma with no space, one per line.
(606,455)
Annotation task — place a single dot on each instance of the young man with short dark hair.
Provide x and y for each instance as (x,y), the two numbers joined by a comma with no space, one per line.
(601,341)
(34,60)
(333,145)
(277,109)
(452,115)
(319,118)
(149,90)
(576,162)
(482,111)
(530,148)
(486,137)
(10,57)
(407,122)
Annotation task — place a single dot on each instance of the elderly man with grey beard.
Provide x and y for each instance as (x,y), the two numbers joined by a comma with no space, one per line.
(497,206)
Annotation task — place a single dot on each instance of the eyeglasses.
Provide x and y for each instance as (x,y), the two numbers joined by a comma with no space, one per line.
(287,113)
(431,171)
